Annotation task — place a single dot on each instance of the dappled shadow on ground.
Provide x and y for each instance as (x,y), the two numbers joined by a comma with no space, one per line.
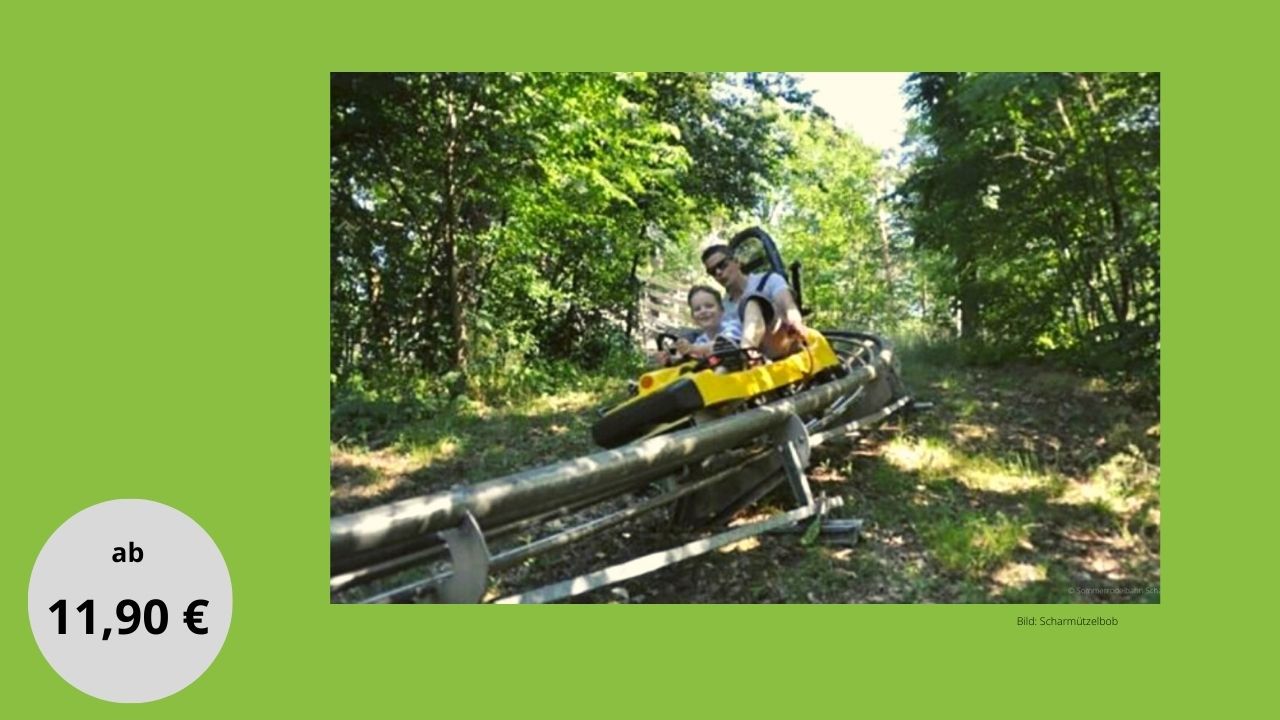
(460,446)
(1067,423)
(1021,485)
(939,538)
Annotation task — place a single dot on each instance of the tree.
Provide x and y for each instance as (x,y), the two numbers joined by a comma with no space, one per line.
(477,218)
(1041,192)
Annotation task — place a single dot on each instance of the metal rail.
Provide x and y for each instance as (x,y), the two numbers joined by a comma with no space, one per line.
(533,491)
(518,554)
(657,560)
(385,539)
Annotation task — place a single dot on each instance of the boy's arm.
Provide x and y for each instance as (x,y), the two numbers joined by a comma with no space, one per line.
(693,349)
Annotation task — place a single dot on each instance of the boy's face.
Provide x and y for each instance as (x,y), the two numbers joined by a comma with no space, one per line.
(706,311)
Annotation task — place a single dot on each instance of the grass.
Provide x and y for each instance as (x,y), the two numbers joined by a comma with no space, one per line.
(464,442)
(1023,484)
(973,543)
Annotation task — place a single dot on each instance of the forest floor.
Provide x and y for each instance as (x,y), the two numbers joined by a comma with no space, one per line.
(1022,484)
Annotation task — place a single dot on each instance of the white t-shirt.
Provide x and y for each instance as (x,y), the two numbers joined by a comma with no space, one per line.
(773,284)
(729,328)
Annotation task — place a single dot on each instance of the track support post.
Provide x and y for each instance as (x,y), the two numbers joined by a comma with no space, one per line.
(792,442)
(470,558)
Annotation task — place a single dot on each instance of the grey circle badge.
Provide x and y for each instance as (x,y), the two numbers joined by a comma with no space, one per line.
(130,600)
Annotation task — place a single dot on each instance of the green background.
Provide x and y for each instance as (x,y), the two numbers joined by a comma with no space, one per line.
(163,285)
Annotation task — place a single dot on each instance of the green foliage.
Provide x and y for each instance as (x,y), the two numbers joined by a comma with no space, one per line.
(492,225)
(972,543)
(493,229)
(369,416)
(824,209)
(1037,196)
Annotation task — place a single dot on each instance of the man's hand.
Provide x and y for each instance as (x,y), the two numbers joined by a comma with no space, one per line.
(794,330)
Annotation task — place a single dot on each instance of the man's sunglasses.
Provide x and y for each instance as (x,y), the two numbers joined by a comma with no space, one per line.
(714,269)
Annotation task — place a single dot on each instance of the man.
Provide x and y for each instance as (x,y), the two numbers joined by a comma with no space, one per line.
(763,303)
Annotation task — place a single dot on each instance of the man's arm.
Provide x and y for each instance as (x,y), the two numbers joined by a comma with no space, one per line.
(789,310)
(784,302)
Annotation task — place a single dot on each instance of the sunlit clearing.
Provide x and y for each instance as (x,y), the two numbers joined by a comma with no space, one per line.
(919,456)
(1015,576)
(446,448)
(933,462)
(997,478)
(355,477)
(381,463)
(1122,484)
(1100,561)
(567,401)
(965,432)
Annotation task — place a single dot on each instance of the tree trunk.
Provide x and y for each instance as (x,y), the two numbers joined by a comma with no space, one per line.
(449,240)
(634,305)
(883,225)
(1118,295)
(970,320)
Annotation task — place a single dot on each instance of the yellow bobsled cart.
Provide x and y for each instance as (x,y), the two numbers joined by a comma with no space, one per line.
(671,396)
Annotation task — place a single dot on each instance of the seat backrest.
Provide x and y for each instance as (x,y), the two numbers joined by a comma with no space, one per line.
(757,253)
